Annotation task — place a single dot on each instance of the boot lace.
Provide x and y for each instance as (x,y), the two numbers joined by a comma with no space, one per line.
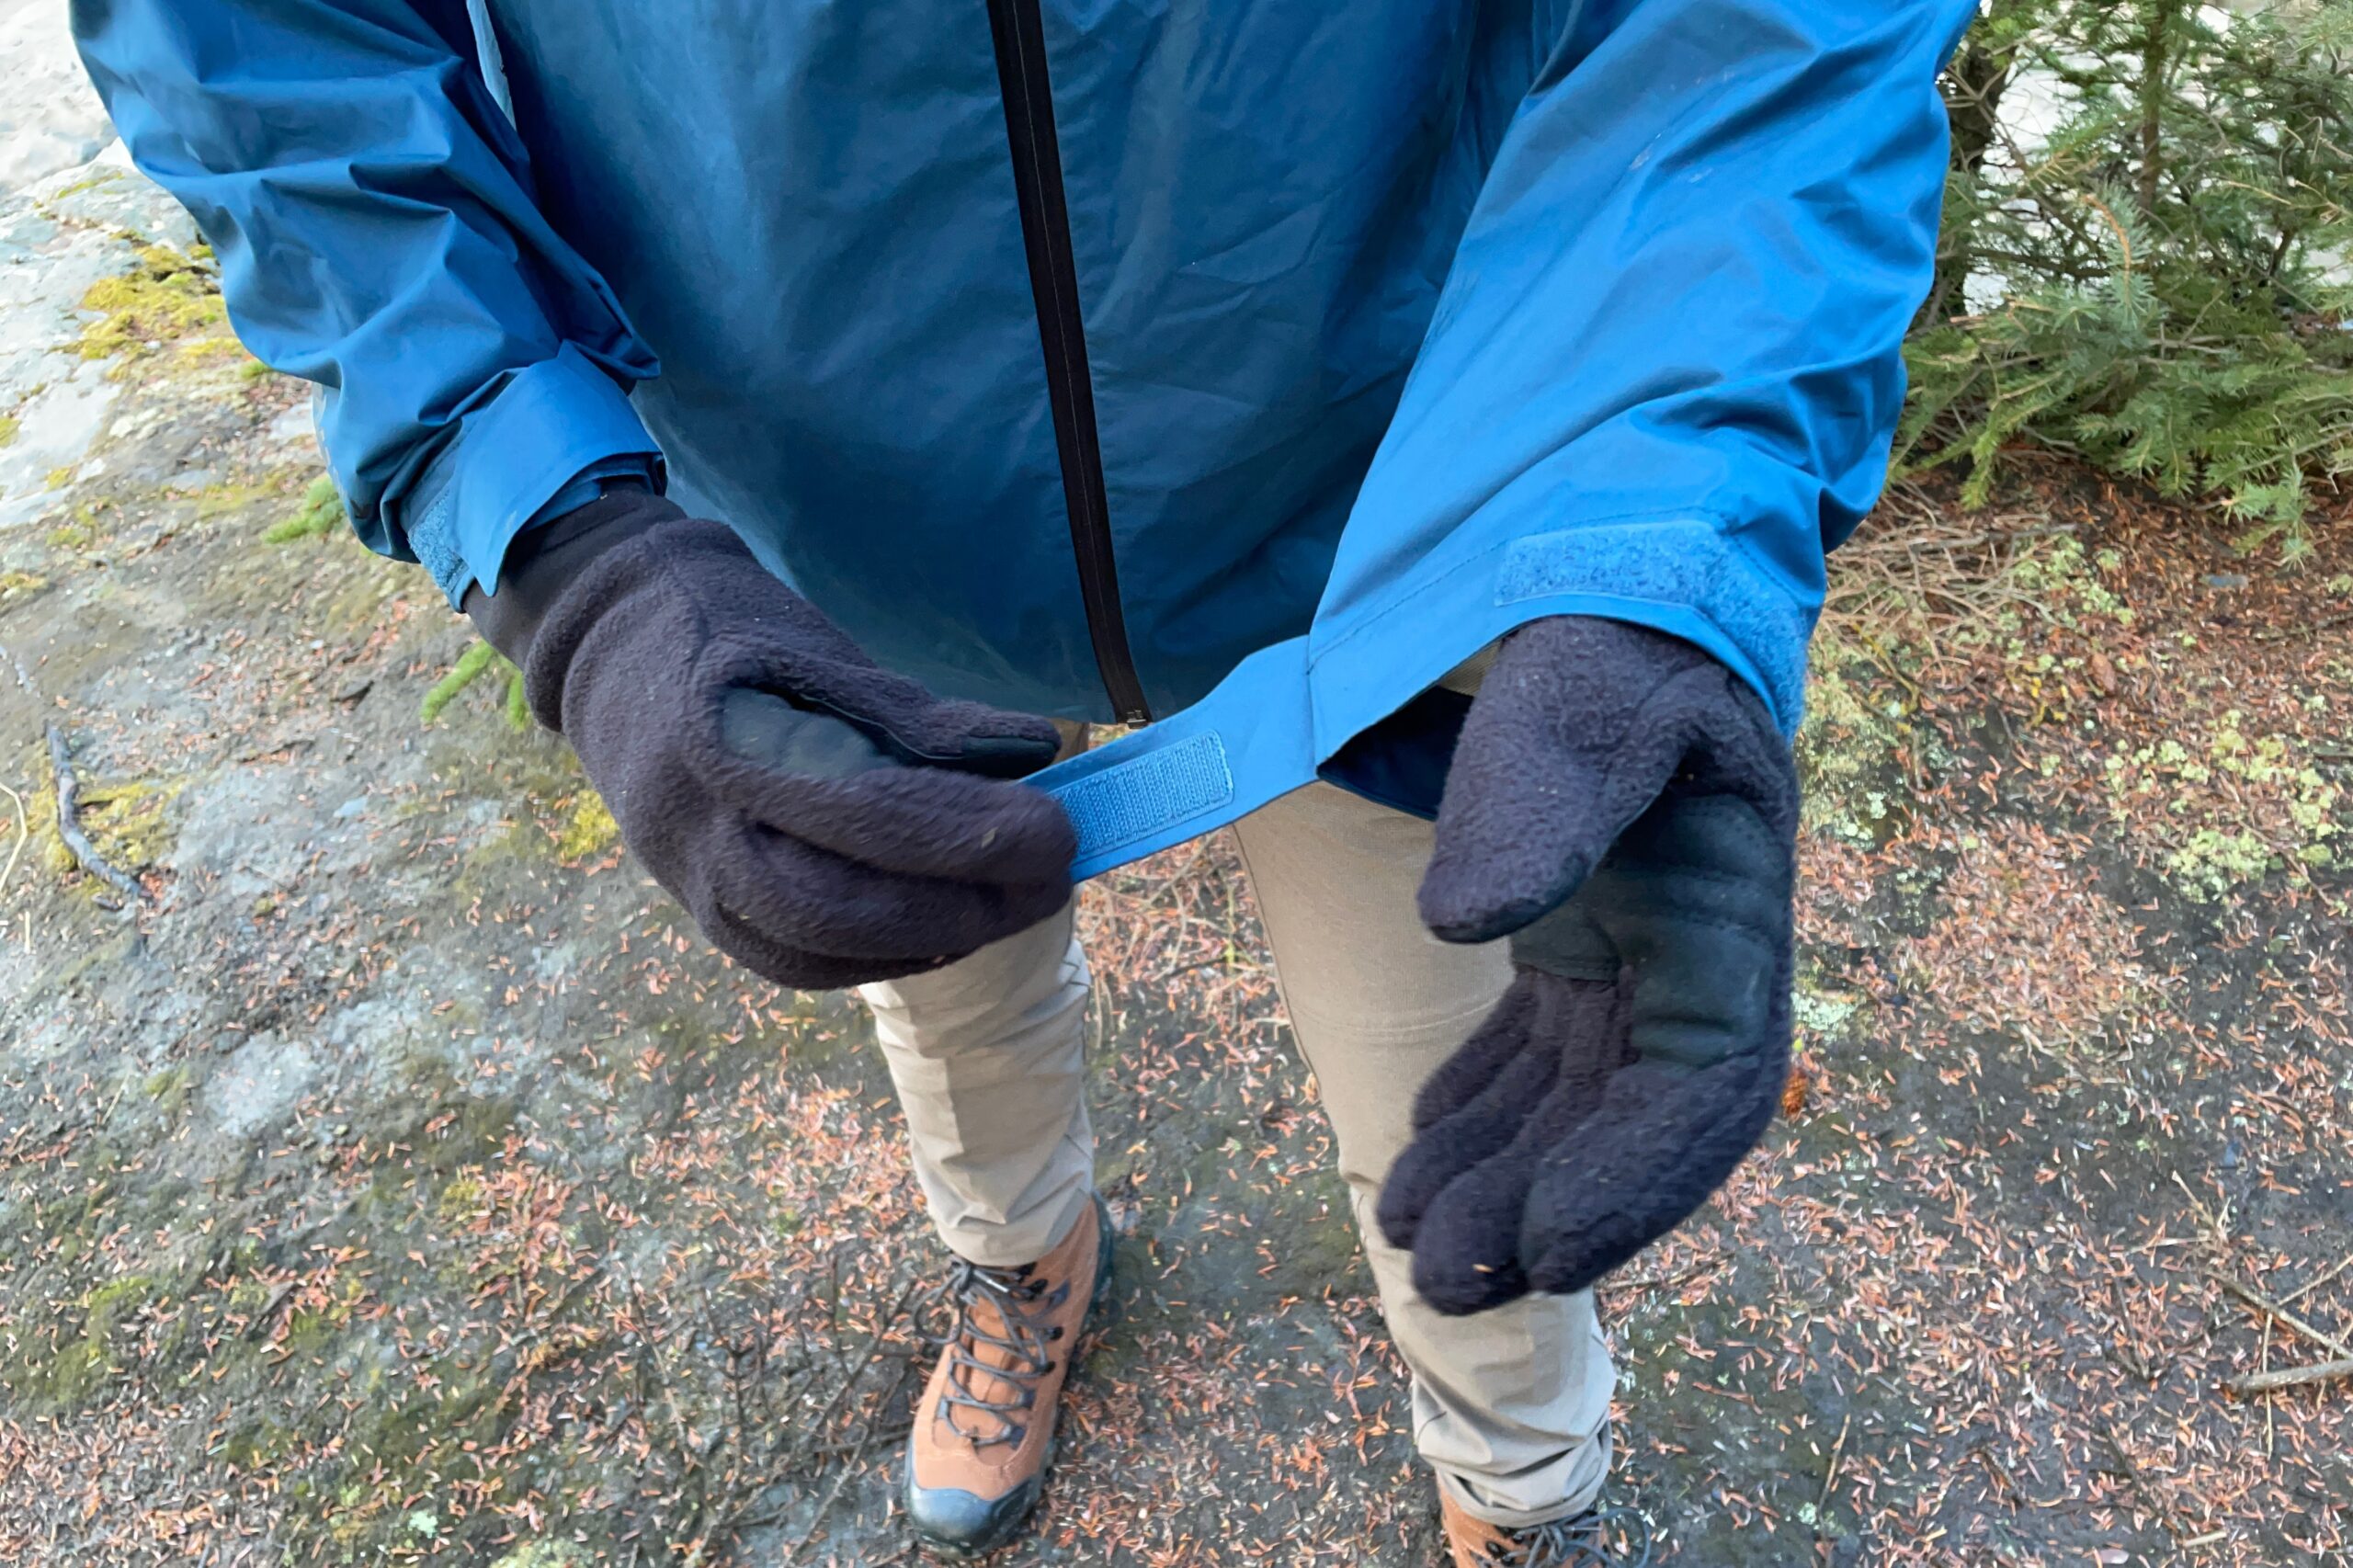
(1022,1301)
(1577,1543)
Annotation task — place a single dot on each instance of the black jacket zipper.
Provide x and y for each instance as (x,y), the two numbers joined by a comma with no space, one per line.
(1020,43)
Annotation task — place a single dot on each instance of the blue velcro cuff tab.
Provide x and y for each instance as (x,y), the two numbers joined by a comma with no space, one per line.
(1687,563)
(1136,800)
(1245,742)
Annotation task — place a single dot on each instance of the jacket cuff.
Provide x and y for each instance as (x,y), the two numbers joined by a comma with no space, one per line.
(546,425)
(1683,575)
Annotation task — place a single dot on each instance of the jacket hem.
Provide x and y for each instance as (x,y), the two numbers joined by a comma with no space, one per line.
(1282,714)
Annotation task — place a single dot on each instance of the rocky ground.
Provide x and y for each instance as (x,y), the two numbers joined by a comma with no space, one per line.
(396,1179)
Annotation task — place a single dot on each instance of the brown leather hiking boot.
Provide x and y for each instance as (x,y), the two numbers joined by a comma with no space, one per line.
(1604,1538)
(984,1429)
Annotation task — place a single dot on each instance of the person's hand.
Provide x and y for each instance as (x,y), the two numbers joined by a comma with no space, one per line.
(826,823)
(1623,807)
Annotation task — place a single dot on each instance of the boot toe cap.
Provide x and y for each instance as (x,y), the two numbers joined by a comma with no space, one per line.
(951,1517)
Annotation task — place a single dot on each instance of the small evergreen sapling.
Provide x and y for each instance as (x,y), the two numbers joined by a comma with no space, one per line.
(2165,285)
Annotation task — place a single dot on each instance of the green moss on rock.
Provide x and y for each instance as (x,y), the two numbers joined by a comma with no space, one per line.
(1849,752)
(320,515)
(253,1443)
(164,298)
(131,821)
(69,1378)
(588,832)
(111,1303)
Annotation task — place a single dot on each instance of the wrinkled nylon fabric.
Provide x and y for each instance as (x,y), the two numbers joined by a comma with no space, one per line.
(1374,295)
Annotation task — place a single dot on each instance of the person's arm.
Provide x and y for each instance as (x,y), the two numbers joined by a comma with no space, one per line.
(1664,381)
(374,215)
(826,821)
(1668,350)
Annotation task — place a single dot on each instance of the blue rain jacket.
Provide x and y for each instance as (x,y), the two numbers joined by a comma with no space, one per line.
(1242,364)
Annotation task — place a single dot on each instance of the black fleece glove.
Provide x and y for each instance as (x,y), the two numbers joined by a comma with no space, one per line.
(826,821)
(1623,807)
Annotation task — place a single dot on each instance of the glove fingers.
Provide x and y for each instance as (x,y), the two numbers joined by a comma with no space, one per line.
(1472,1226)
(918,822)
(1514,848)
(781,644)
(991,742)
(1443,1150)
(1696,899)
(807,899)
(783,738)
(756,761)
(790,966)
(1475,1065)
(963,737)
(906,720)
(802,970)
(1466,1252)
(1662,1140)
(763,728)
(1625,785)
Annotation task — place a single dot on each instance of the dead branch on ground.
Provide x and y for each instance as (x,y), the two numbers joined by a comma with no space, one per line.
(69,827)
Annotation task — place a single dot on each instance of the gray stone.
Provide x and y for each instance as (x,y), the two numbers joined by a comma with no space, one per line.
(260,1086)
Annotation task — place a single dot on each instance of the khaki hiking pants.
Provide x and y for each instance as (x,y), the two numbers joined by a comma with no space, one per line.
(1510,1407)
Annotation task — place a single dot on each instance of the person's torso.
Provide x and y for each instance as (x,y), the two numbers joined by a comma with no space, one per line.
(869,305)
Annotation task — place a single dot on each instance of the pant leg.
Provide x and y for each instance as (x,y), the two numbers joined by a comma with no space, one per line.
(989,1058)
(1510,1407)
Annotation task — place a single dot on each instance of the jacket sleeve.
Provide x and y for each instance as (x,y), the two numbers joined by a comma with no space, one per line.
(1666,364)
(372,211)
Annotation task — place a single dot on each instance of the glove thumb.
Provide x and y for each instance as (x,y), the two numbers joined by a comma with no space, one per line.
(1556,759)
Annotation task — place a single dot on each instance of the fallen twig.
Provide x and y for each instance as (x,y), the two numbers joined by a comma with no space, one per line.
(2318,1281)
(2122,1352)
(690,1460)
(266,1317)
(24,831)
(2281,1315)
(2290,1377)
(297,743)
(873,1349)
(69,827)
(1830,1476)
(1671,1281)
(833,1495)
(2270,1406)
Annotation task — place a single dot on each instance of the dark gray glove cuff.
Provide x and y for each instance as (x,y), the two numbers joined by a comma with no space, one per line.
(543,561)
